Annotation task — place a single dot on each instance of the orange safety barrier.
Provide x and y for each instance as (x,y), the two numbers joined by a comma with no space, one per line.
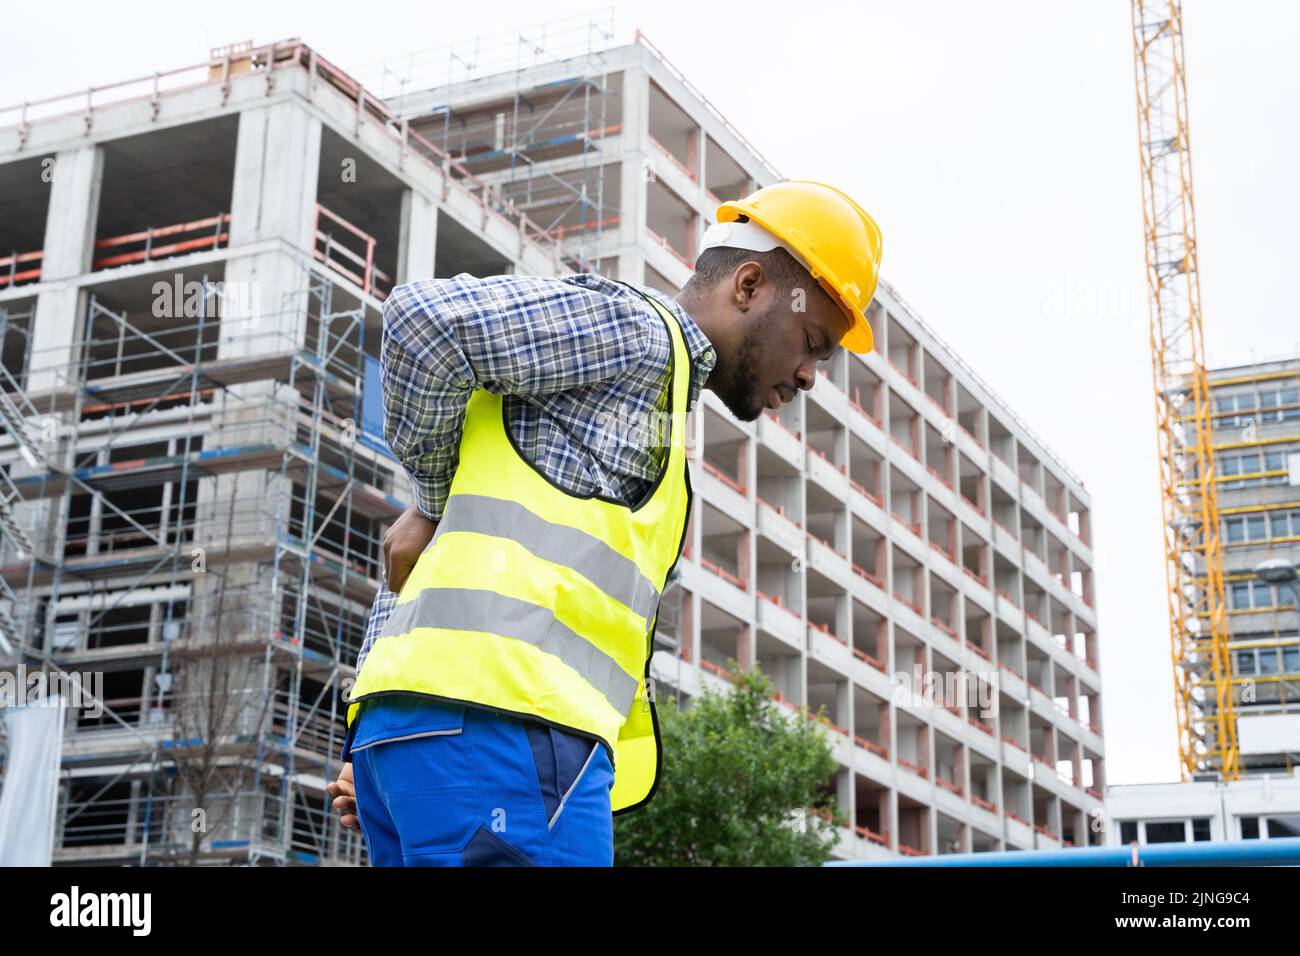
(864,573)
(777,422)
(907,448)
(335,254)
(866,414)
(979,650)
(943,627)
(867,658)
(10,263)
(660,240)
(713,668)
(976,722)
(915,607)
(981,802)
(914,527)
(674,160)
(1013,742)
(874,747)
(949,786)
(216,237)
(944,481)
(942,550)
(869,834)
(915,768)
(897,368)
(726,479)
(724,574)
(561,231)
(936,403)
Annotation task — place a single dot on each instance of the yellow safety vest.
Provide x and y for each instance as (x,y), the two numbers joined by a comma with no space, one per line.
(532,601)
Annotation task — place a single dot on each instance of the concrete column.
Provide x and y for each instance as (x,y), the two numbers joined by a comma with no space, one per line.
(686,639)
(272,223)
(277,164)
(417,237)
(745,646)
(636,173)
(277,160)
(73,214)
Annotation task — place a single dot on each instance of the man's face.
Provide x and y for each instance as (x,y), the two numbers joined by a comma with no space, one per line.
(786,333)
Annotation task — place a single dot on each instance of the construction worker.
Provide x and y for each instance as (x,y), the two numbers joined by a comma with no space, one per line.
(502,711)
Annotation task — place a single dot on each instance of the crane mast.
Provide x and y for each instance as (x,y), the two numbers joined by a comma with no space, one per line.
(1198,629)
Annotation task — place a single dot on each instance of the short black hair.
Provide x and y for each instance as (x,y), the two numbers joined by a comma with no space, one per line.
(718,263)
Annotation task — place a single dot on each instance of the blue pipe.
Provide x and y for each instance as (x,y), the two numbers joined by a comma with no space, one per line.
(1283,851)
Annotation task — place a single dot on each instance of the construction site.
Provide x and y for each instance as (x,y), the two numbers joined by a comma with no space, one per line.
(195,485)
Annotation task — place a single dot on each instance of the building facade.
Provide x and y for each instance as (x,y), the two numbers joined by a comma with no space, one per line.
(1258,807)
(1256,434)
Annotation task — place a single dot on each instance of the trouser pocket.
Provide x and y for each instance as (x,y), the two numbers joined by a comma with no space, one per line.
(561,759)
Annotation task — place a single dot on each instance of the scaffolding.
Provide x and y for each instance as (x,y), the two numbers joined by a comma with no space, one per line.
(539,145)
(190,509)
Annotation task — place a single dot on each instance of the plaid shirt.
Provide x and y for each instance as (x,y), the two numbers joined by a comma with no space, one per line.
(571,356)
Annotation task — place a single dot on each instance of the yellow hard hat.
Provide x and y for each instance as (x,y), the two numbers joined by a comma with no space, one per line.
(831,234)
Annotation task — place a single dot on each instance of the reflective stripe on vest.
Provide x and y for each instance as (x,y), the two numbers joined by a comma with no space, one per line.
(532,601)
(604,567)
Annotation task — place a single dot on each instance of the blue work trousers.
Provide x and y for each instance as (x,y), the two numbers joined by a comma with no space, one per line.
(444,784)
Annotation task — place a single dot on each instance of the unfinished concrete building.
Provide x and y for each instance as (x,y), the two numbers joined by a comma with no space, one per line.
(195,483)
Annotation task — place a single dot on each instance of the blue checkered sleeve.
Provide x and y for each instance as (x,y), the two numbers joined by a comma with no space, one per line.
(526,336)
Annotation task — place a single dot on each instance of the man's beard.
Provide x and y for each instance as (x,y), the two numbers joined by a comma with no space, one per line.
(736,388)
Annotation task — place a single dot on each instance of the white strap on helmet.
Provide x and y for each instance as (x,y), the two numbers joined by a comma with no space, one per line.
(746,235)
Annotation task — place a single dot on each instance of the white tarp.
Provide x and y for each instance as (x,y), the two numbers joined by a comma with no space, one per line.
(31,782)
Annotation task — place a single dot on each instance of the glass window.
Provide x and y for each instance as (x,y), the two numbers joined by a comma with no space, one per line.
(1231,465)
(1268,660)
(1240,595)
(1128,831)
(1263,594)
(1274,461)
(1249,827)
(1268,399)
(1201,829)
(1225,403)
(1291,660)
(1167,831)
(1255,530)
(1236,529)
(1246,662)
(1284,826)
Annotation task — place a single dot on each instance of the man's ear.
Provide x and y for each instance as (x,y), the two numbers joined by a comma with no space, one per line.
(745,282)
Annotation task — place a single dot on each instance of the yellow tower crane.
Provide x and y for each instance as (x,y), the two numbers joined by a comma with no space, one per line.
(1198,628)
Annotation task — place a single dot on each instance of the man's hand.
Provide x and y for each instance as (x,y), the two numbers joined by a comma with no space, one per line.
(345,797)
(403,544)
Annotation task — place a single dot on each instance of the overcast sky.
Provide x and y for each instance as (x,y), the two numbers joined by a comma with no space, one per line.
(996,145)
